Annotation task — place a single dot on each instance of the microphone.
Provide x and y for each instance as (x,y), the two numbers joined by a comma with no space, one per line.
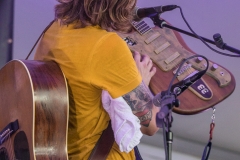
(179,87)
(140,13)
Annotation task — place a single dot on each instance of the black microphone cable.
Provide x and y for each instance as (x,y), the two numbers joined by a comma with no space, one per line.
(200,38)
(180,67)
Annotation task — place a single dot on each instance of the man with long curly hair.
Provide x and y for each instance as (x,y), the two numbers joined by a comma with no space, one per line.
(93,57)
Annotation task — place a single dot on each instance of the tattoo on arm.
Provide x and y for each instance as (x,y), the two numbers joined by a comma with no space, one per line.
(140,102)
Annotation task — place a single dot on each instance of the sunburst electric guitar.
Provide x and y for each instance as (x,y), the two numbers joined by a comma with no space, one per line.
(167,49)
(34,111)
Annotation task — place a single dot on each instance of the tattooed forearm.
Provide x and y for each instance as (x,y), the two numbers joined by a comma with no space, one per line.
(140,102)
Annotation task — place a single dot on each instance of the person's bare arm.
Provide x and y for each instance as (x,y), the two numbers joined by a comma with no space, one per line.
(140,99)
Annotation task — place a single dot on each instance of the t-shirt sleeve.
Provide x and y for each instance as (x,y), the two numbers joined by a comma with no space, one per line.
(113,67)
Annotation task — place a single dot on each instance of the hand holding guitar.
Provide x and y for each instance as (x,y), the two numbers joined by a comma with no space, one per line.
(145,67)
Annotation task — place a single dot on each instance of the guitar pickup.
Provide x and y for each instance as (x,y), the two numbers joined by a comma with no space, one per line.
(172,57)
(152,37)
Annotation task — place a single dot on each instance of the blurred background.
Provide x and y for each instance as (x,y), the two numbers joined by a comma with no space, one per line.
(21,23)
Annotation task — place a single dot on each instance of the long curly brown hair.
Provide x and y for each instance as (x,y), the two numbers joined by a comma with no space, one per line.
(108,14)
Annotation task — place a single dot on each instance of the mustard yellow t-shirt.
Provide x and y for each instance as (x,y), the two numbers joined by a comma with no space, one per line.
(92,60)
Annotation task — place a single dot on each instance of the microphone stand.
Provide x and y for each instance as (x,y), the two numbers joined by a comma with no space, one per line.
(164,120)
(217,37)
(169,137)
(169,100)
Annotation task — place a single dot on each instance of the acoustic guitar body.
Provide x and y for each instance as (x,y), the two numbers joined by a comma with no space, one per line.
(167,49)
(34,111)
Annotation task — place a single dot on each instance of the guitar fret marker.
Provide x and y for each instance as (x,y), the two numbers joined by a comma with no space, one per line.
(172,58)
(162,47)
(152,38)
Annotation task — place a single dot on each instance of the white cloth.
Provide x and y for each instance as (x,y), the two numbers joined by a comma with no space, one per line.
(125,125)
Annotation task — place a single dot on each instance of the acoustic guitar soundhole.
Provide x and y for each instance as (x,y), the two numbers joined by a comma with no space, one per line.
(3,154)
(21,147)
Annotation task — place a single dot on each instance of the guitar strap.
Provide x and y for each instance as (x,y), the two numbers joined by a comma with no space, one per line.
(105,142)
(104,145)
(39,39)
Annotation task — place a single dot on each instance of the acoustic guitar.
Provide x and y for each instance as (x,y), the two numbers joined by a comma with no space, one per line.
(34,111)
(167,49)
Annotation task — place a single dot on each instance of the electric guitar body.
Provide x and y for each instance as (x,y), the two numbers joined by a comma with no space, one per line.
(167,49)
(34,111)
